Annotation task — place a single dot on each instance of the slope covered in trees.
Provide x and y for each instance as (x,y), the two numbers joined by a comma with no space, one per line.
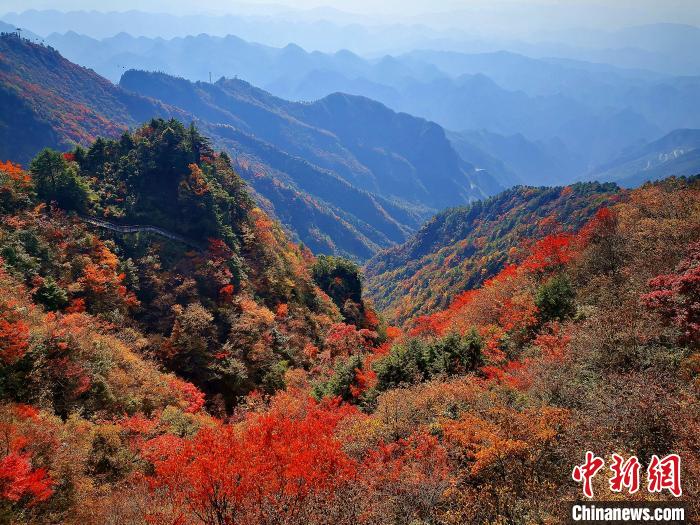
(230,315)
(460,248)
(48,101)
(474,414)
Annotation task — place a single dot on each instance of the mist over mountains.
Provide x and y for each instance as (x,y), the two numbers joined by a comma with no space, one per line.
(573,116)
(613,34)
(353,149)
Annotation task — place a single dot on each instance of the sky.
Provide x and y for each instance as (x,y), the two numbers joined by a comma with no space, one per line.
(559,13)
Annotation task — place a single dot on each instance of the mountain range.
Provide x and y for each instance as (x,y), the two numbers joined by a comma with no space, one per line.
(639,43)
(345,174)
(582,114)
(677,153)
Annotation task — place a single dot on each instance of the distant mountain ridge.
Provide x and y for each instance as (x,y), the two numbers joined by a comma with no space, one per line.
(592,111)
(677,153)
(666,47)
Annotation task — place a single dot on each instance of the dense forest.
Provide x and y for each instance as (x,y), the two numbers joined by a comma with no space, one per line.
(460,248)
(167,355)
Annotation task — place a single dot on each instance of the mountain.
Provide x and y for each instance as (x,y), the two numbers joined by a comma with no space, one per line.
(460,248)
(145,377)
(677,153)
(177,243)
(380,170)
(345,175)
(595,111)
(664,47)
(49,101)
(514,159)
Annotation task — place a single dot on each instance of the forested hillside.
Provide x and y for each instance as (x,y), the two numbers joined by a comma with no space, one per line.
(144,379)
(48,101)
(460,248)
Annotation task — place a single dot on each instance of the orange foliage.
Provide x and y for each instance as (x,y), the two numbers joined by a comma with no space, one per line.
(273,465)
(18,478)
(282,310)
(550,253)
(15,173)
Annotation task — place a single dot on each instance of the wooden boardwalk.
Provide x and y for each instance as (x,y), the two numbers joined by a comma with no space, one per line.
(140,228)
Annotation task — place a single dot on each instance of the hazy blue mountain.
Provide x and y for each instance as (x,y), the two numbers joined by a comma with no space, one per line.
(396,156)
(591,112)
(514,159)
(326,30)
(666,47)
(584,81)
(677,153)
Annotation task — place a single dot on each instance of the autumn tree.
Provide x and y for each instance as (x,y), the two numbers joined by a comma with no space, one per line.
(272,468)
(57,180)
(676,296)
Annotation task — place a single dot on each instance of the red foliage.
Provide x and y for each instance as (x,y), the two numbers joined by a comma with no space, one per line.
(371,320)
(76,306)
(550,253)
(427,325)
(601,225)
(345,340)
(271,466)
(218,249)
(192,395)
(226,293)
(365,379)
(18,479)
(419,459)
(677,296)
(554,344)
(14,334)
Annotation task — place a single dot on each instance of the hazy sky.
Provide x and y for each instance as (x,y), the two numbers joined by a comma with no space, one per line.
(593,13)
